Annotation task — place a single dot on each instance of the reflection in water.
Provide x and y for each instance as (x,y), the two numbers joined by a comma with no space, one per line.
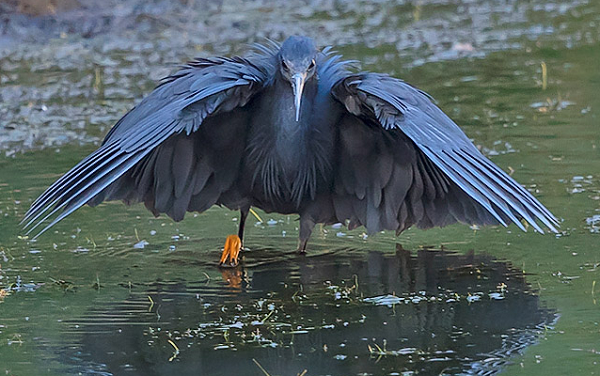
(343,313)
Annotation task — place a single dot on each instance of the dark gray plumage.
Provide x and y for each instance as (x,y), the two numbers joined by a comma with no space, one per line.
(290,129)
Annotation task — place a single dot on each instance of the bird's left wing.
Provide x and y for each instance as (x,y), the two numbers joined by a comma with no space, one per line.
(395,105)
(202,88)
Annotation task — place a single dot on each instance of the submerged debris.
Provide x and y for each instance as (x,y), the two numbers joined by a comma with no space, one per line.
(593,223)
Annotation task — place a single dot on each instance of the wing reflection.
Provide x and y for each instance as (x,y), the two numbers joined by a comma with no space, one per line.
(343,313)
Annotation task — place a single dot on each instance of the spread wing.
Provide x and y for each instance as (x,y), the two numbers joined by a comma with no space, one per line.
(158,139)
(404,162)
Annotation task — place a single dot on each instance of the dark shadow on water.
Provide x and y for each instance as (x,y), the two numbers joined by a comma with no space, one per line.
(342,313)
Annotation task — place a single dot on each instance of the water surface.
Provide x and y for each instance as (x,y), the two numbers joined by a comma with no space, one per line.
(113,290)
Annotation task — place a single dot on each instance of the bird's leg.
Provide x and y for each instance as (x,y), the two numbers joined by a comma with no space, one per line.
(243,216)
(233,244)
(302,246)
(306,227)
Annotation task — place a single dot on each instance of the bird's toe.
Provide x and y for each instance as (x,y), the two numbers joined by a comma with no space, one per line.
(231,252)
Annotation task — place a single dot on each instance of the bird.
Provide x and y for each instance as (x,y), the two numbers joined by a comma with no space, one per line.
(293,129)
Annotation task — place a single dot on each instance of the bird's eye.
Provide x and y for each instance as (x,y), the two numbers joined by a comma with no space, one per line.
(312,64)
(284,66)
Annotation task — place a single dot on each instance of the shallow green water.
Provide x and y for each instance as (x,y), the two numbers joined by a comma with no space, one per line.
(113,290)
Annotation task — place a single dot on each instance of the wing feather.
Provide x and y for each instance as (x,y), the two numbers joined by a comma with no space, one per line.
(445,160)
(179,105)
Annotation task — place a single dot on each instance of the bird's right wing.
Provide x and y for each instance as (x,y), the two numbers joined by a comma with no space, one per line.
(431,157)
(201,89)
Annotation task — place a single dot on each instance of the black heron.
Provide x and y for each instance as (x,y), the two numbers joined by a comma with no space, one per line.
(291,129)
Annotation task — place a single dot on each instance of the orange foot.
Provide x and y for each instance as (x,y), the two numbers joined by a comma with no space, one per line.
(229,258)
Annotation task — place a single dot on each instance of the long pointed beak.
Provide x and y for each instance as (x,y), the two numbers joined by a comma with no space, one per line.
(298,85)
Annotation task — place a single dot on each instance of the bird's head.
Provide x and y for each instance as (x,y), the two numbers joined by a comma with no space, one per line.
(297,63)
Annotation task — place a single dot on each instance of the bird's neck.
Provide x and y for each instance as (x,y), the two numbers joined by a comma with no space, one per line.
(283,149)
(291,135)
(284,109)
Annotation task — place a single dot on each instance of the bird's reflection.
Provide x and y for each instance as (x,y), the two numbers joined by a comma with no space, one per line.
(340,313)
(233,277)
